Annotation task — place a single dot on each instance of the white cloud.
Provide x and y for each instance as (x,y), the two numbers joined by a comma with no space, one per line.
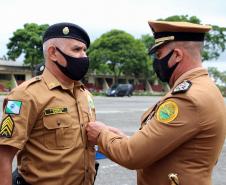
(100,16)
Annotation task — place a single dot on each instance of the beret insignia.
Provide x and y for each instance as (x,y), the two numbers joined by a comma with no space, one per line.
(182,87)
(66,30)
(167,112)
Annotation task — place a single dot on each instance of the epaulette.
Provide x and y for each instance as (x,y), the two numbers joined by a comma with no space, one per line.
(31,81)
(182,87)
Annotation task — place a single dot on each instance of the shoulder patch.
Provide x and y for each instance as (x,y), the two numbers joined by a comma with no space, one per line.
(182,87)
(167,112)
(13,107)
(7,127)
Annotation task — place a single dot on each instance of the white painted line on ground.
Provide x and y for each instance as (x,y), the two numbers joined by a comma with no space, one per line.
(117,111)
(109,166)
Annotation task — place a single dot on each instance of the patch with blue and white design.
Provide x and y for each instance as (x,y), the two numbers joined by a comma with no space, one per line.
(182,87)
(13,107)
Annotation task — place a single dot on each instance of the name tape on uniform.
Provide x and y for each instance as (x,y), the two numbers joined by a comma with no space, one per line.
(52,111)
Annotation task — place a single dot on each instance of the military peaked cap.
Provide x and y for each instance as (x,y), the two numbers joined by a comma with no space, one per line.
(166,31)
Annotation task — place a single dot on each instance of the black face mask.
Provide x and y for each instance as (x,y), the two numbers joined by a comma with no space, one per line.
(162,69)
(76,67)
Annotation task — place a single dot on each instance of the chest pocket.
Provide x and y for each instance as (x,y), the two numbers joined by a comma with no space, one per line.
(59,131)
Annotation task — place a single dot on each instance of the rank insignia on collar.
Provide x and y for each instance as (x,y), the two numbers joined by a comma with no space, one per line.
(7,126)
(13,107)
(182,87)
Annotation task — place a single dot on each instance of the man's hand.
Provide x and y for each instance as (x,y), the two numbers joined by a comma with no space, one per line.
(116,131)
(93,130)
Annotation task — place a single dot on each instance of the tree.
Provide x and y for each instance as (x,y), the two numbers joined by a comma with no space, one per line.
(147,40)
(214,73)
(215,40)
(27,41)
(119,53)
(219,79)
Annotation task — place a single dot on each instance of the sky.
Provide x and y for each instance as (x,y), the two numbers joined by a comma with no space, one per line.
(100,16)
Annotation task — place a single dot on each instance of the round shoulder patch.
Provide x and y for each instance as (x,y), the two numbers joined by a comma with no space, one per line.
(167,112)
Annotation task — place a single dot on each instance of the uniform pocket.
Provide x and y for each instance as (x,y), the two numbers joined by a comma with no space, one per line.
(59,132)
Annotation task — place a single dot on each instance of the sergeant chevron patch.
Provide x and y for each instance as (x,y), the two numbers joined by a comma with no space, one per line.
(7,126)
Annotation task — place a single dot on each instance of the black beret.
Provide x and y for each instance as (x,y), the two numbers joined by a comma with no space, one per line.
(67,30)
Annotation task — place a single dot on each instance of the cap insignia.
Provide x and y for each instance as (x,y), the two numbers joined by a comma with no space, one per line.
(66,30)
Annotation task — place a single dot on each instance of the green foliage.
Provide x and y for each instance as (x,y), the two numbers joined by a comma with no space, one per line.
(215,40)
(219,78)
(147,40)
(119,53)
(214,73)
(27,41)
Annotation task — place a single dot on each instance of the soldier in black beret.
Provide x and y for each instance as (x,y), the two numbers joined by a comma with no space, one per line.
(44,119)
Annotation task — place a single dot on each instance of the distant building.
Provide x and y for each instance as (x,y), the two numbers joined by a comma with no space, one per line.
(14,73)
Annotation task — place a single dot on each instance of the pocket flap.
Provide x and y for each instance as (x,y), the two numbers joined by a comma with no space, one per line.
(57,121)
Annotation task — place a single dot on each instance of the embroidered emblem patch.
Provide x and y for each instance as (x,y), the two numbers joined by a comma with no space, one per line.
(90,101)
(182,87)
(13,107)
(167,112)
(7,126)
(52,111)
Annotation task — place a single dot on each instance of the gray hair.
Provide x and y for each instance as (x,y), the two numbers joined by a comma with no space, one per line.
(52,42)
(192,47)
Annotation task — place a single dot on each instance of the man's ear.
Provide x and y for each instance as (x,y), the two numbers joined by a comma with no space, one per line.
(178,55)
(52,53)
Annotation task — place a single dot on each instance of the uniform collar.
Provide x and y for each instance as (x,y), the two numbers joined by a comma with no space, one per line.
(52,82)
(193,73)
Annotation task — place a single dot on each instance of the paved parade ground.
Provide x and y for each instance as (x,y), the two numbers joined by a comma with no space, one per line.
(125,113)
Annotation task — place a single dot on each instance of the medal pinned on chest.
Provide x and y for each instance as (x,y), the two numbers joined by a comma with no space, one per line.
(90,103)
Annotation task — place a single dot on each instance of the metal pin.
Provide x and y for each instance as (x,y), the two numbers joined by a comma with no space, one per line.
(173,179)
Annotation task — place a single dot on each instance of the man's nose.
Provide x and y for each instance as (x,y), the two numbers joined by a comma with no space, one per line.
(83,54)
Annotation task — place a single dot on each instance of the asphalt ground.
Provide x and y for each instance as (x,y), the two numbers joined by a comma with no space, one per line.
(125,113)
